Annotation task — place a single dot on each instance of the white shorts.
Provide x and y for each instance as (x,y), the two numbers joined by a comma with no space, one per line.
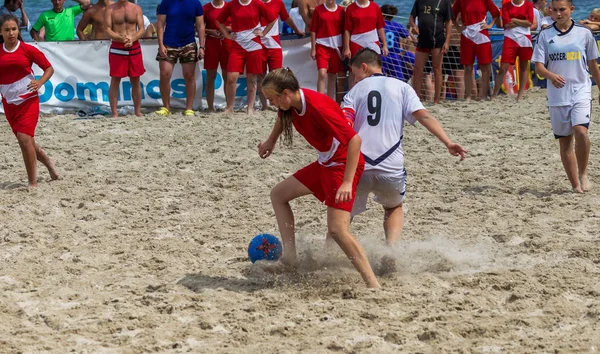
(564,118)
(388,190)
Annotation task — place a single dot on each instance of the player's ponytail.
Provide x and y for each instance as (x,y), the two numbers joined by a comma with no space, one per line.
(10,17)
(277,81)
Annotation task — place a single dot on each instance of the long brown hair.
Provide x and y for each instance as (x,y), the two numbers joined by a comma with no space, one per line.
(6,18)
(277,81)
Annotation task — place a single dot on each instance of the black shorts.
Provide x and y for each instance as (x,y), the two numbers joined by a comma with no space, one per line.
(427,42)
(451,61)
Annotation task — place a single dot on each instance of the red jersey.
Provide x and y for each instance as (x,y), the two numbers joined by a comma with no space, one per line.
(324,127)
(328,25)
(276,9)
(211,14)
(363,22)
(16,73)
(474,11)
(517,36)
(244,20)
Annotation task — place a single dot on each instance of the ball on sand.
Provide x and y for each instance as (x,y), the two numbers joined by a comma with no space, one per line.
(264,247)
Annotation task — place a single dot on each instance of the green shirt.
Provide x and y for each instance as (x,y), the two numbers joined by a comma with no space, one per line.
(60,26)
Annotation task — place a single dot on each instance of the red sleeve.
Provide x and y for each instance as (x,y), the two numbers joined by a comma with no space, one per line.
(264,12)
(314,23)
(334,121)
(493,9)
(456,8)
(348,25)
(37,57)
(380,23)
(529,8)
(225,13)
(283,13)
(504,13)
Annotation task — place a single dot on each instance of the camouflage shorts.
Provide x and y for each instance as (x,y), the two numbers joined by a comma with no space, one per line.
(186,54)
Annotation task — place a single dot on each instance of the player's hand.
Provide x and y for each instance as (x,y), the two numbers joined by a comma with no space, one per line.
(445,48)
(347,53)
(385,51)
(162,51)
(344,193)
(300,33)
(313,54)
(558,81)
(258,33)
(414,29)
(219,34)
(200,53)
(34,85)
(457,150)
(265,148)
(485,26)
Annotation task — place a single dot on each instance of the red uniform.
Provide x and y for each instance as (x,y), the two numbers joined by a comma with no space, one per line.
(473,41)
(247,48)
(272,43)
(517,40)
(325,128)
(363,23)
(217,49)
(125,61)
(328,27)
(21,106)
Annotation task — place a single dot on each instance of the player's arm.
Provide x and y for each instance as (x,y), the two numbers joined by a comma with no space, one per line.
(433,125)
(84,4)
(313,45)
(595,71)
(83,23)
(265,148)
(344,192)
(521,23)
(290,22)
(557,80)
(160,34)
(304,10)
(108,22)
(24,18)
(200,28)
(140,25)
(37,27)
(446,45)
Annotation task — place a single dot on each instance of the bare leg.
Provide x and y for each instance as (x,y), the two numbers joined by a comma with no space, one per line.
(500,79)
(27,145)
(428,90)
(459,84)
(232,78)
(209,87)
(582,152)
(261,96)
(43,158)
(436,62)
(281,195)
(251,87)
(225,74)
(569,162)
(486,71)
(393,221)
(136,94)
(420,60)
(331,78)
(166,71)
(113,95)
(469,78)
(338,222)
(321,77)
(523,77)
(189,75)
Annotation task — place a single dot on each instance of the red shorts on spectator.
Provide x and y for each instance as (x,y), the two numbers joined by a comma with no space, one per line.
(273,59)
(470,50)
(253,61)
(125,61)
(217,52)
(510,53)
(328,58)
(23,118)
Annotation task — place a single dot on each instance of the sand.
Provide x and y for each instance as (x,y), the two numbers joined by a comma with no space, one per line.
(141,247)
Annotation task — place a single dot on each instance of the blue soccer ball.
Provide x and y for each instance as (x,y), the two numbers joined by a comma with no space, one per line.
(264,247)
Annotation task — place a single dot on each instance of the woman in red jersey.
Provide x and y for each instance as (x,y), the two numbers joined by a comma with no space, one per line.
(332,178)
(246,49)
(217,50)
(19,90)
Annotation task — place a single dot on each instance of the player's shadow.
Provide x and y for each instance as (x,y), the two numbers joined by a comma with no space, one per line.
(12,185)
(543,194)
(200,282)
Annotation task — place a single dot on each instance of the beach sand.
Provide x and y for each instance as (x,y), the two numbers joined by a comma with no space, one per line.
(142,245)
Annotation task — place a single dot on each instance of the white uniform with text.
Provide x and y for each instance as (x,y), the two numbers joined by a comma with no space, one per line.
(381,105)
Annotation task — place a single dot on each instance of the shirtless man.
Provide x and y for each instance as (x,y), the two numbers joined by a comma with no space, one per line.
(125,26)
(306,8)
(95,17)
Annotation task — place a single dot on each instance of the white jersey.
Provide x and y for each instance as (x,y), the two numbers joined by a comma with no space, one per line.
(538,16)
(381,105)
(566,54)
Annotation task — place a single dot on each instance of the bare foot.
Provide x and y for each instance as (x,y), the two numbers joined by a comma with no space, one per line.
(586,186)
(277,267)
(229,110)
(519,96)
(250,111)
(577,190)
(139,114)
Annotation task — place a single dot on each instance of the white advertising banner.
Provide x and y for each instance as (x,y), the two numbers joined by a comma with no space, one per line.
(81,77)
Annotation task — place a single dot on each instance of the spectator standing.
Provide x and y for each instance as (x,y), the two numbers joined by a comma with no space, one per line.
(538,11)
(59,23)
(177,22)
(94,16)
(10,8)
(217,50)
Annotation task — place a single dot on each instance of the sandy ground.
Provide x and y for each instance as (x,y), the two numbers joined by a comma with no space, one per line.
(141,247)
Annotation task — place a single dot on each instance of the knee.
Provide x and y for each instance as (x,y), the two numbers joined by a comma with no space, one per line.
(189,76)
(24,139)
(336,232)
(322,74)
(278,195)
(580,133)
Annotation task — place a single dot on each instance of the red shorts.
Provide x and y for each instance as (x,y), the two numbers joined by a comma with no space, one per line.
(216,53)
(125,62)
(510,53)
(324,182)
(253,61)
(23,118)
(354,48)
(273,59)
(470,50)
(328,58)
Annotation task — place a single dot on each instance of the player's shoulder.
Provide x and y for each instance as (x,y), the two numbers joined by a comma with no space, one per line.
(581,29)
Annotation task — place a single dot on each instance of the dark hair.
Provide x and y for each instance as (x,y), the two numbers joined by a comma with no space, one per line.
(6,18)
(157,7)
(6,2)
(389,10)
(568,1)
(367,56)
(294,4)
(277,81)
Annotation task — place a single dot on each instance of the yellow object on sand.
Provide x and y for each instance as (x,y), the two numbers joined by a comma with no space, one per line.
(163,112)
(189,113)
